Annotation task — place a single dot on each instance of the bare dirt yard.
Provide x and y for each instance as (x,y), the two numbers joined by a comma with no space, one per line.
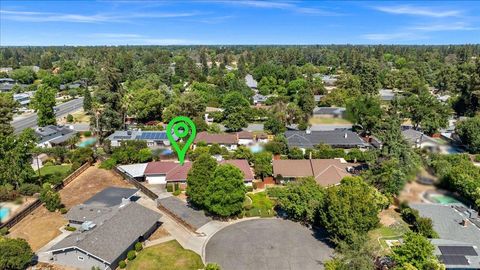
(42,226)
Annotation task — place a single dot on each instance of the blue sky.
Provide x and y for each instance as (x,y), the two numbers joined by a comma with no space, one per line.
(237,22)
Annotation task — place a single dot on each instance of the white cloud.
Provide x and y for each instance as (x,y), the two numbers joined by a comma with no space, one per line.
(114,35)
(29,16)
(280,5)
(459,26)
(419,11)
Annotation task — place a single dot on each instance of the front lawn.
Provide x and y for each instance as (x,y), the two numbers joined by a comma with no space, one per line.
(166,256)
(54,173)
(328,121)
(259,204)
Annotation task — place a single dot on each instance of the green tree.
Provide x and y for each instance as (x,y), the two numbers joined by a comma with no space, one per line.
(274,126)
(415,250)
(235,122)
(15,254)
(305,102)
(15,156)
(7,106)
(50,197)
(198,178)
(24,75)
(234,102)
(43,102)
(226,192)
(300,199)
(262,164)
(212,266)
(365,111)
(469,132)
(351,209)
(87,100)
(368,73)
(146,105)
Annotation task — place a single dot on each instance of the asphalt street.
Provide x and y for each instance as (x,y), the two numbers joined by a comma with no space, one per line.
(63,109)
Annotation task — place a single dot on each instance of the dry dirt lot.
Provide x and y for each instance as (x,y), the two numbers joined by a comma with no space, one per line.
(41,226)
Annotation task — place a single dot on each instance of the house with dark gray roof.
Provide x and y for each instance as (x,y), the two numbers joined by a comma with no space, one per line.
(111,225)
(51,135)
(329,112)
(335,138)
(418,139)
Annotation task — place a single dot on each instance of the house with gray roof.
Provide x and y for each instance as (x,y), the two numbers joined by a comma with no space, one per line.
(329,112)
(386,94)
(335,138)
(112,226)
(250,81)
(459,239)
(51,135)
(420,140)
(154,139)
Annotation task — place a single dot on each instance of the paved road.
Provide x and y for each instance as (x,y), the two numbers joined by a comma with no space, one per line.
(265,244)
(30,121)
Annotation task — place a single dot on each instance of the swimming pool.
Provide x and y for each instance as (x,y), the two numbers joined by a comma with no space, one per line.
(4,212)
(87,142)
(256,148)
(443,199)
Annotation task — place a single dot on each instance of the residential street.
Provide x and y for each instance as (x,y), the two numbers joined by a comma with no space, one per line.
(30,121)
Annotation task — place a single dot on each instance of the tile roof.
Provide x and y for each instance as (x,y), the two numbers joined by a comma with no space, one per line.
(325,171)
(335,138)
(245,135)
(221,138)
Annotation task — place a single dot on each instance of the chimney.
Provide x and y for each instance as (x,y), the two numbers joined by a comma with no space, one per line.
(464,222)
(308,131)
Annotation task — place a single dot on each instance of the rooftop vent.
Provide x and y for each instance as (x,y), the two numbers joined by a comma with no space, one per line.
(308,131)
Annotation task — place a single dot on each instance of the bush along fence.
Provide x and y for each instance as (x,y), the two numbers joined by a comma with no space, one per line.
(35,204)
(137,184)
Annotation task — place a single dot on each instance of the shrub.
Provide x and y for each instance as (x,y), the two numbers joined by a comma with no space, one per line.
(212,266)
(70,228)
(254,185)
(122,264)
(69,118)
(18,200)
(3,231)
(63,210)
(87,133)
(29,189)
(170,187)
(7,194)
(50,197)
(249,188)
(108,164)
(131,255)
(477,158)
(138,246)
(177,192)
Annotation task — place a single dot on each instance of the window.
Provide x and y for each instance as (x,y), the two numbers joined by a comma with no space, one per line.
(80,258)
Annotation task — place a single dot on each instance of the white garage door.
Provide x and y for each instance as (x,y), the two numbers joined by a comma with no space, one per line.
(156,180)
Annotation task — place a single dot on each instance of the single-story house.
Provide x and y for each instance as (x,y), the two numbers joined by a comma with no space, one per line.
(245,138)
(250,81)
(386,94)
(326,172)
(51,135)
(23,98)
(259,99)
(329,112)
(328,80)
(154,139)
(335,138)
(459,234)
(420,140)
(136,170)
(162,172)
(105,240)
(227,140)
(208,111)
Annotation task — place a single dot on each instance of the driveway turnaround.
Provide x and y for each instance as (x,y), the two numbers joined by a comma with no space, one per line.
(264,244)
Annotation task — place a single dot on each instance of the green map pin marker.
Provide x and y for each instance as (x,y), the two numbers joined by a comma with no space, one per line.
(181,127)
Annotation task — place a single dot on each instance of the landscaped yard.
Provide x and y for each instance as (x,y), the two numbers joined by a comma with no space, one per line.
(392,227)
(166,256)
(329,121)
(54,173)
(258,204)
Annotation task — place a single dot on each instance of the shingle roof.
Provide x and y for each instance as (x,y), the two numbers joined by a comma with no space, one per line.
(110,196)
(336,138)
(325,171)
(329,111)
(414,136)
(250,81)
(175,172)
(222,138)
(109,240)
(54,133)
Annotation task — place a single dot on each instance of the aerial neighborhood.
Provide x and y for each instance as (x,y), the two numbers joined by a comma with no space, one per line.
(237,157)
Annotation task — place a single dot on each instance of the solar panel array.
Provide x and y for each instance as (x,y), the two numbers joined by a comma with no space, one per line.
(458,250)
(152,136)
(453,260)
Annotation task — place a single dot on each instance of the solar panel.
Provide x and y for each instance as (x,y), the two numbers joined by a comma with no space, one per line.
(458,250)
(453,260)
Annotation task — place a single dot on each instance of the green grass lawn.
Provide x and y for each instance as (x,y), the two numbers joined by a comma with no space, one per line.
(54,173)
(388,233)
(166,256)
(260,205)
(328,121)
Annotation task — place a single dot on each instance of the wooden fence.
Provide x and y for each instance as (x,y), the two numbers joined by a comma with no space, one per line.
(137,184)
(37,203)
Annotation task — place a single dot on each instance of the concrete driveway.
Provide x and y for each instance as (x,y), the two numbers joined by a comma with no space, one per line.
(264,244)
